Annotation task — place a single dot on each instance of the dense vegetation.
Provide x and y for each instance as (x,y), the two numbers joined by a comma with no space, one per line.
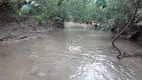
(106,12)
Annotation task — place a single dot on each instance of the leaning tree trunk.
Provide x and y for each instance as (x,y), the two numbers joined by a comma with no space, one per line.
(117,36)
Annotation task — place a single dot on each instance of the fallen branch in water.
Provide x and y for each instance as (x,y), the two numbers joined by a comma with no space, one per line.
(118,35)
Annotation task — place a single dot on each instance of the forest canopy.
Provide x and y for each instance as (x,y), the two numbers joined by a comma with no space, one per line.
(105,12)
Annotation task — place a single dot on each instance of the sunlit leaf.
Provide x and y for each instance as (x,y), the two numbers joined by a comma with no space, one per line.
(27,1)
(25,9)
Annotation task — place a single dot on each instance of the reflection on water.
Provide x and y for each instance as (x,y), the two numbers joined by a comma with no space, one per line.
(99,68)
(49,59)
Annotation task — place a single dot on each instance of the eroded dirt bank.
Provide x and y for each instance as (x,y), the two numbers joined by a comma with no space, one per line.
(29,28)
(51,59)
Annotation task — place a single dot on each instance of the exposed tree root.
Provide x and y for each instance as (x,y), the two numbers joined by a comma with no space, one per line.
(121,54)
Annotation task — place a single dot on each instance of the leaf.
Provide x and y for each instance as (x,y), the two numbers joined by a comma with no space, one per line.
(60,2)
(34,4)
(101,2)
(21,1)
(39,18)
(25,9)
(27,1)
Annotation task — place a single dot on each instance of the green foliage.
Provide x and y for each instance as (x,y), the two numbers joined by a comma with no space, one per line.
(9,9)
(45,10)
(102,11)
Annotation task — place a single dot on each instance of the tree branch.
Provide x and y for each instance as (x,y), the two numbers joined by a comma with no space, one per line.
(118,35)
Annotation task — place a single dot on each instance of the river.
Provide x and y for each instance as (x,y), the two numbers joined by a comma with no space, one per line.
(74,53)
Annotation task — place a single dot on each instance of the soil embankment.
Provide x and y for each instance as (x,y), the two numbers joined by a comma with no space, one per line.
(29,28)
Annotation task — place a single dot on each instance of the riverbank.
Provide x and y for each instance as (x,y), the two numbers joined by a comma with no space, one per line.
(29,28)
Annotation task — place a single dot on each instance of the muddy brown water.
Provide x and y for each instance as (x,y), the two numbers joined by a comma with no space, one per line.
(52,58)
